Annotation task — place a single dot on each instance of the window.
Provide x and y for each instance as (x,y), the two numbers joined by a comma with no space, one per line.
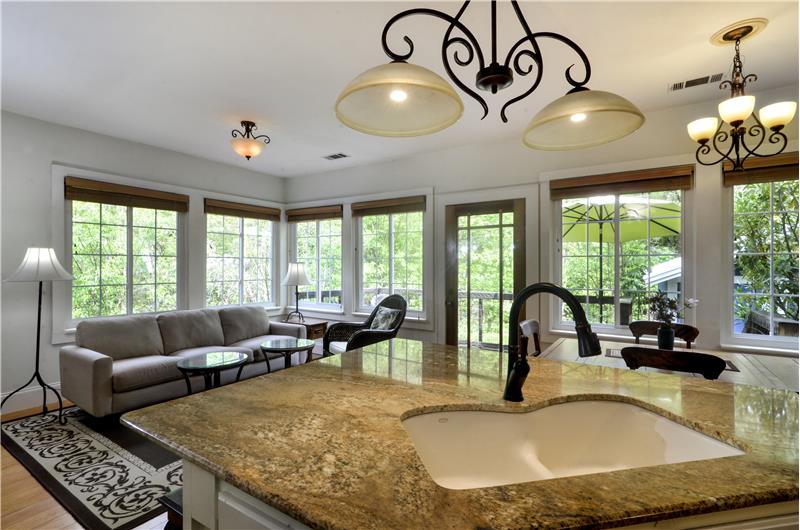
(239,260)
(318,244)
(765,260)
(124,259)
(616,250)
(391,259)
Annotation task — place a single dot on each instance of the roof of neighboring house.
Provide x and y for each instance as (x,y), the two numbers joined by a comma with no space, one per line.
(669,270)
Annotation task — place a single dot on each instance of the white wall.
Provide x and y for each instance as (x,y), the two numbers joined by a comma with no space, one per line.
(29,148)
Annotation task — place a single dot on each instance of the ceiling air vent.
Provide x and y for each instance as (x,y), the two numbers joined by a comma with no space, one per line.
(706,79)
(335,156)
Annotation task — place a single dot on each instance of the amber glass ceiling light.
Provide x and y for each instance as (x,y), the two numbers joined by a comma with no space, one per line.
(402,99)
(732,145)
(245,143)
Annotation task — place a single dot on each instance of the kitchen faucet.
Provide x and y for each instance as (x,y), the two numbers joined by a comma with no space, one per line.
(518,368)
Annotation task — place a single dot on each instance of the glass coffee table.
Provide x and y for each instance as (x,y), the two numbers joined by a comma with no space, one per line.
(209,365)
(286,347)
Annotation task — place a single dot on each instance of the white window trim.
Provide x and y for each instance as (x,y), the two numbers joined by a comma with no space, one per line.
(274,284)
(335,309)
(361,309)
(783,346)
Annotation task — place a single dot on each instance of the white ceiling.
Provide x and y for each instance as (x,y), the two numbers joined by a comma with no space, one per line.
(182,75)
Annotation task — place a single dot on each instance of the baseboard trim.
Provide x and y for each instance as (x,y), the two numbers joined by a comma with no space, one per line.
(29,398)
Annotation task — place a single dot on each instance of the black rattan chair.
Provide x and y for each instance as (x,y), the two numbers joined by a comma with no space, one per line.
(360,334)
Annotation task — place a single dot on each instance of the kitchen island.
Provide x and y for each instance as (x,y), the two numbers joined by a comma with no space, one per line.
(323,445)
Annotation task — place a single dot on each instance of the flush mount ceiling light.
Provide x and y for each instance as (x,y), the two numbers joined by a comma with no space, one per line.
(402,99)
(733,145)
(245,143)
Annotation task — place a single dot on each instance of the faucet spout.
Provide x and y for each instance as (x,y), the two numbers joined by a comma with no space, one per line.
(518,368)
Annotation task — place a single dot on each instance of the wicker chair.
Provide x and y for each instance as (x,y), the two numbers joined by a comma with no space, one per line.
(360,334)
(649,327)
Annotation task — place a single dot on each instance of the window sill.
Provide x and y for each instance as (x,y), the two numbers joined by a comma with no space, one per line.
(763,350)
(314,310)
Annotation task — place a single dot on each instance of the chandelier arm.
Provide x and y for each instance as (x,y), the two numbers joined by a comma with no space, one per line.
(705,149)
(433,13)
(266,138)
(450,41)
(758,133)
(538,60)
(235,132)
(577,49)
(777,137)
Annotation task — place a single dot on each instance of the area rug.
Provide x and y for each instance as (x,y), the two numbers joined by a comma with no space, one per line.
(106,475)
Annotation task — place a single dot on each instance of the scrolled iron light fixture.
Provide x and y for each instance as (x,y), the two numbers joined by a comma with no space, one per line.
(402,99)
(245,143)
(733,145)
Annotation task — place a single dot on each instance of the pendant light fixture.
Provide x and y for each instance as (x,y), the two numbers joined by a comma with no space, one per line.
(732,145)
(245,143)
(402,99)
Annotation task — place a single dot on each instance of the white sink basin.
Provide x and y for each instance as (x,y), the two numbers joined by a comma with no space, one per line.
(476,449)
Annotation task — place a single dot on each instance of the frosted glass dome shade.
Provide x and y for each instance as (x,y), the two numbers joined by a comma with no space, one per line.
(399,99)
(247,147)
(736,110)
(777,115)
(582,119)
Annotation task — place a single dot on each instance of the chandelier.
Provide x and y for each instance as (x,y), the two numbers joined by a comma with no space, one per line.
(403,99)
(739,142)
(245,143)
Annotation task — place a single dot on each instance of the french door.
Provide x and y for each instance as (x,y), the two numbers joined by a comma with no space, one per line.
(485,267)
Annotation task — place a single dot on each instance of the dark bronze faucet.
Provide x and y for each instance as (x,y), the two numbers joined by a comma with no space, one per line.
(518,369)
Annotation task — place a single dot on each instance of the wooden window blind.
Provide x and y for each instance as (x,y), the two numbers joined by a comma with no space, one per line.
(759,170)
(317,213)
(81,189)
(238,209)
(387,206)
(638,181)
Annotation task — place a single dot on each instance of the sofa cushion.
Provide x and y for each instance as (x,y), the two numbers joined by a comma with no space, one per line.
(254,345)
(243,322)
(121,337)
(337,347)
(189,329)
(189,352)
(139,372)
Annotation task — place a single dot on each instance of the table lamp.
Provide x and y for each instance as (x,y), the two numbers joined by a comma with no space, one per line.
(296,275)
(39,265)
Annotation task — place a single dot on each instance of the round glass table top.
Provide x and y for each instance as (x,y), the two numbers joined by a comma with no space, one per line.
(284,345)
(211,360)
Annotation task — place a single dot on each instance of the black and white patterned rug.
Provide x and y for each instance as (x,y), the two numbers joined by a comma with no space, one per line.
(104,474)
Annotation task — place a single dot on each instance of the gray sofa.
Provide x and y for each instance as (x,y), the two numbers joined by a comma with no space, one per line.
(123,363)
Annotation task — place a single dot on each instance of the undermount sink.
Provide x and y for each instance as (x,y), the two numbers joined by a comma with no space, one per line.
(477,449)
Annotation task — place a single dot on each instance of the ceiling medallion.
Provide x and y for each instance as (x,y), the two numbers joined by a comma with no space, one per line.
(732,145)
(402,99)
(245,143)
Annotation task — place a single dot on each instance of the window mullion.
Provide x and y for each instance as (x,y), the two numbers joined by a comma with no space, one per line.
(391,254)
(319,265)
(241,259)
(129,261)
(771,258)
(615,223)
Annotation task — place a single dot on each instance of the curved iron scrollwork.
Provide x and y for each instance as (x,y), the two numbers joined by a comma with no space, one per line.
(249,127)
(466,50)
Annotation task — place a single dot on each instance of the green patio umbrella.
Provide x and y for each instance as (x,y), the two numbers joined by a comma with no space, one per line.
(635,214)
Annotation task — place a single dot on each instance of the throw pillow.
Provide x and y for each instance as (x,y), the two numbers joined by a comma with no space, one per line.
(385,318)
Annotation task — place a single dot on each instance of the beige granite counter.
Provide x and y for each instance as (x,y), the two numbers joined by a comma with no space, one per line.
(323,442)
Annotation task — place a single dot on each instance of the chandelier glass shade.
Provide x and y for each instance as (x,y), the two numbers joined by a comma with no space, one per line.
(245,143)
(377,102)
(402,99)
(740,142)
(582,119)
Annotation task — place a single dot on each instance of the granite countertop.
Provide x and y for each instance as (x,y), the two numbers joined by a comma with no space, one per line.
(323,442)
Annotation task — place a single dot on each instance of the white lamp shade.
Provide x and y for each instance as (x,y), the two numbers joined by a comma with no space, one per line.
(736,110)
(296,275)
(247,147)
(582,119)
(702,129)
(777,114)
(399,99)
(39,264)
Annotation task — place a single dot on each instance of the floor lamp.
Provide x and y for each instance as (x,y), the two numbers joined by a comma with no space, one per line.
(296,276)
(40,265)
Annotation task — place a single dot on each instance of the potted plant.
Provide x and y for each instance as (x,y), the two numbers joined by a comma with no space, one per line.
(666,310)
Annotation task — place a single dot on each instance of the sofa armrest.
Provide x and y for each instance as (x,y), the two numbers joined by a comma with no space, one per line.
(86,379)
(286,328)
